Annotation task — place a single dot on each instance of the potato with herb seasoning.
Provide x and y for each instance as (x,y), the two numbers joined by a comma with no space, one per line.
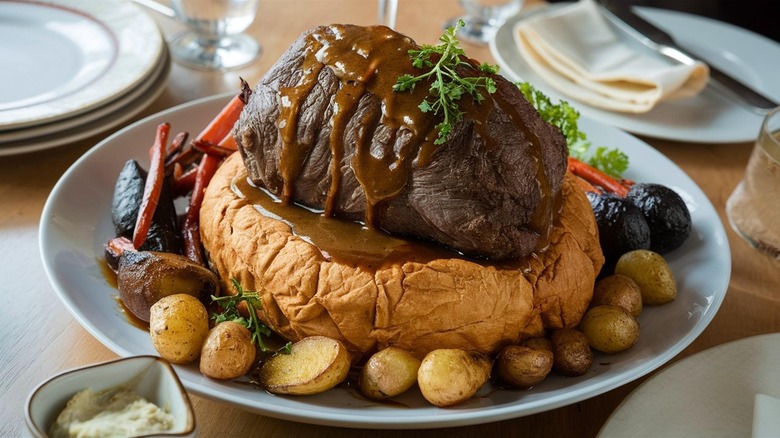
(228,351)
(178,325)
(618,290)
(538,343)
(450,376)
(313,365)
(609,329)
(388,373)
(572,355)
(522,367)
(651,272)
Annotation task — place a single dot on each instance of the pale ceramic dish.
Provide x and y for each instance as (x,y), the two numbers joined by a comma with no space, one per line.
(76,223)
(707,118)
(158,384)
(101,119)
(71,56)
(709,394)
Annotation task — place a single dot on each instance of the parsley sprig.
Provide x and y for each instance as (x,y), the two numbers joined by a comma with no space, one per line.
(229,305)
(611,161)
(448,86)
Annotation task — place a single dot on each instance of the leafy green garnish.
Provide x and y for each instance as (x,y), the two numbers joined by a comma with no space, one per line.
(562,115)
(229,304)
(447,87)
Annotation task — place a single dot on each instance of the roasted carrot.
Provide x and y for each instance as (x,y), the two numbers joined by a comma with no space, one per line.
(213,138)
(182,182)
(153,185)
(221,125)
(211,148)
(596,177)
(229,142)
(191,227)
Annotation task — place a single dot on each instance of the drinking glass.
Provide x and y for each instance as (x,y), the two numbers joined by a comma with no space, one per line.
(214,39)
(753,208)
(387,12)
(483,17)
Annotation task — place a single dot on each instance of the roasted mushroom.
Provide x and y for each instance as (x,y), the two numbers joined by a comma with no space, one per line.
(146,276)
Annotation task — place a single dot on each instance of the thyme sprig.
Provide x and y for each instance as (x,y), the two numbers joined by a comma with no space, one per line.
(447,86)
(229,305)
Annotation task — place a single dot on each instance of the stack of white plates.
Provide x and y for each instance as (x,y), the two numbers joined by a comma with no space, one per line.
(73,69)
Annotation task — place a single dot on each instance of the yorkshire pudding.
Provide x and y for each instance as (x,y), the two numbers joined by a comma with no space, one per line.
(424,303)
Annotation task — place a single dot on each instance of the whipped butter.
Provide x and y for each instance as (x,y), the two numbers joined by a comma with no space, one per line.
(115,412)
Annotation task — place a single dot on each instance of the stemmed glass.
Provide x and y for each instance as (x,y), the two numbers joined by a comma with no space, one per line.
(483,17)
(214,39)
(387,12)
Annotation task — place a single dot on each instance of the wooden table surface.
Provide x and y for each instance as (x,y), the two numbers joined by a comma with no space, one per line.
(40,338)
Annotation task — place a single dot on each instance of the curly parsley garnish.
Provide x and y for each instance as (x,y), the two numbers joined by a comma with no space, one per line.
(610,161)
(447,87)
(229,305)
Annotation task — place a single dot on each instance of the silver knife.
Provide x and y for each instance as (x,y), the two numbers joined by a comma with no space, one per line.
(620,14)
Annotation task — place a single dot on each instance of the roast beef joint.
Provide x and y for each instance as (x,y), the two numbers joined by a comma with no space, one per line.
(323,128)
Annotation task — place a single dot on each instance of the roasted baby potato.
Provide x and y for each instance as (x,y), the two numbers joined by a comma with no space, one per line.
(538,343)
(651,273)
(522,367)
(144,277)
(609,329)
(388,373)
(571,352)
(228,351)
(313,365)
(178,325)
(618,290)
(450,376)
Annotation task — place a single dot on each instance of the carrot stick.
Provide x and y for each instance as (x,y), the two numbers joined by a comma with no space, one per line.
(596,177)
(183,182)
(191,227)
(229,142)
(153,185)
(221,125)
(217,132)
(211,148)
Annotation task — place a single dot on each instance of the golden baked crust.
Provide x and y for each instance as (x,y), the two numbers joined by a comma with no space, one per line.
(445,303)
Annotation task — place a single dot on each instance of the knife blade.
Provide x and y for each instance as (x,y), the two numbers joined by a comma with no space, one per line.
(620,14)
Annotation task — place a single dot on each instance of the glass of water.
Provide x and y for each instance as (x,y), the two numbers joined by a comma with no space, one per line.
(753,208)
(214,39)
(483,17)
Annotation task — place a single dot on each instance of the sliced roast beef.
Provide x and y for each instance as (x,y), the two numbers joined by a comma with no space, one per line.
(323,128)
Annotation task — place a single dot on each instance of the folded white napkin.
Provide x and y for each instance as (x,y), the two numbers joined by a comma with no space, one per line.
(578,53)
(766,417)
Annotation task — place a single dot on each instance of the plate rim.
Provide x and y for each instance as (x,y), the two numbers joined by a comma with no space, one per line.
(129,67)
(369,418)
(122,110)
(686,362)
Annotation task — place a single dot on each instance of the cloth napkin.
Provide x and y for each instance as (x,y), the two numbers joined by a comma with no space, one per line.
(577,52)
(766,417)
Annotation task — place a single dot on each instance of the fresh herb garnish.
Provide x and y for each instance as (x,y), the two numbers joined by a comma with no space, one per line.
(448,86)
(229,304)
(562,115)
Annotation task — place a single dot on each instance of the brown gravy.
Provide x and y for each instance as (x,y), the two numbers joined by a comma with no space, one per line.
(370,62)
(348,242)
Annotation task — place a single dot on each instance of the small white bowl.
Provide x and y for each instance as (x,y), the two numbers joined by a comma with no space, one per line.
(158,383)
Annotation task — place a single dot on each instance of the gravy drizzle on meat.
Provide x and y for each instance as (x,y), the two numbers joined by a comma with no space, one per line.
(393,139)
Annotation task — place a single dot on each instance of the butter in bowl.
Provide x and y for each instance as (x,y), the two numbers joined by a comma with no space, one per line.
(134,396)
